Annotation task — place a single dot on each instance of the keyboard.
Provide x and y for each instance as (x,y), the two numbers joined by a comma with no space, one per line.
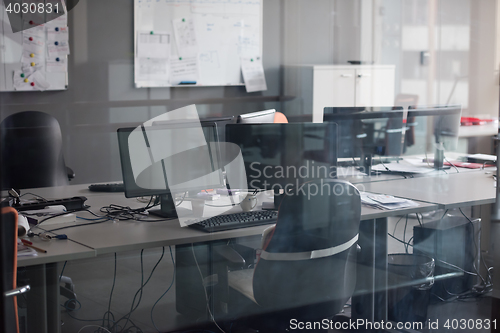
(236,221)
(114,187)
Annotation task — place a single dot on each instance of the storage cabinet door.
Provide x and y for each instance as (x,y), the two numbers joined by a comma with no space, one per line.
(375,87)
(332,87)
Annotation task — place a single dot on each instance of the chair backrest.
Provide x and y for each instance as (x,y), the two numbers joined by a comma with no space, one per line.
(8,242)
(280,118)
(311,256)
(32,151)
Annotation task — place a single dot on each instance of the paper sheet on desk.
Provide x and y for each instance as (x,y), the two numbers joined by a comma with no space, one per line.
(24,251)
(385,202)
(402,168)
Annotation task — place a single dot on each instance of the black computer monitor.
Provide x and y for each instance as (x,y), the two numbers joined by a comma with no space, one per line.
(432,129)
(283,156)
(194,169)
(367,131)
(221,123)
(259,117)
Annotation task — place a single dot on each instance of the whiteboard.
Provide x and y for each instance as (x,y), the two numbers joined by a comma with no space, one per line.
(52,72)
(207,40)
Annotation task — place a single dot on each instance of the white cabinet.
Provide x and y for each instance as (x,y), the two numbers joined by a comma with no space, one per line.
(317,86)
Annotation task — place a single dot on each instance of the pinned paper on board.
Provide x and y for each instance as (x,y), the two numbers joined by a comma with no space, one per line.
(153,44)
(218,34)
(253,74)
(56,65)
(185,37)
(153,69)
(54,51)
(37,55)
(34,81)
(184,69)
(57,33)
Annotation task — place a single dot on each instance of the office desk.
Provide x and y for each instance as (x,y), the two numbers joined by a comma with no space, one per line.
(109,237)
(43,298)
(120,236)
(446,190)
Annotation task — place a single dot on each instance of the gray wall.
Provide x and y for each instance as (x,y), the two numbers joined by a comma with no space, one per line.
(101,96)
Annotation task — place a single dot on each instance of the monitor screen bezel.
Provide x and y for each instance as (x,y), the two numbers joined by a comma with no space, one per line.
(131,189)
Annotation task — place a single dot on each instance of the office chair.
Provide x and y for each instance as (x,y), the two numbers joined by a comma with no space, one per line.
(8,243)
(31,152)
(307,268)
(280,118)
(32,157)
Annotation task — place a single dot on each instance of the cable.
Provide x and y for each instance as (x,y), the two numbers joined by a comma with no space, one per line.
(421,223)
(205,289)
(100,327)
(394,231)
(442,261)
(74,226)
(143,284)
(109,313)
(56,215)
(381,161)
(404,234)
(33,194)
(478,249)
(453,165)
(171,284)
(182,200)
(62,271)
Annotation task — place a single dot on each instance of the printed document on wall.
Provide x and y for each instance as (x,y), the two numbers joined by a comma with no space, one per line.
(253,74)
(184,69)
(153,44)
(185,37)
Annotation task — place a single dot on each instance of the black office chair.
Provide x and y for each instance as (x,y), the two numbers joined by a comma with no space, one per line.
(307,268)
(8,251)
(32,151)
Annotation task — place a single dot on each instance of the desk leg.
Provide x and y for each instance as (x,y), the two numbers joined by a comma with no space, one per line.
(370,297)
(43,299)
(53,301)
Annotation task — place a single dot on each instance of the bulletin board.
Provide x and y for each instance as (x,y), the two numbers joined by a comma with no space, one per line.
(34,59)
(194,42)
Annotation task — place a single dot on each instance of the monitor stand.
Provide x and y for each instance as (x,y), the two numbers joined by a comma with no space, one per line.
(439,158)
(367,164)
(168,208)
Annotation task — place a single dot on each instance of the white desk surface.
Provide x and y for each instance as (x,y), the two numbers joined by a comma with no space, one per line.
(57,251)
(110,236)
(447,190)
(431,192)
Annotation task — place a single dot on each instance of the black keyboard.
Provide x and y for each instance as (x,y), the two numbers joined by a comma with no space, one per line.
(236,221)
(114,187)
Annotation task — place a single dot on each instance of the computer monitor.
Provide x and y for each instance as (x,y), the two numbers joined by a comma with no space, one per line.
(283,156)
(432,128)
(260,117)
(220,122)
(194,169)
(367,131)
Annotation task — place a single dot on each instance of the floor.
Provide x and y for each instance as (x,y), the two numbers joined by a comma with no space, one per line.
(149,311)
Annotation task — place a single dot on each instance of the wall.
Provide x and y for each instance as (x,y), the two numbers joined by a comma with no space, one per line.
(101,96)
